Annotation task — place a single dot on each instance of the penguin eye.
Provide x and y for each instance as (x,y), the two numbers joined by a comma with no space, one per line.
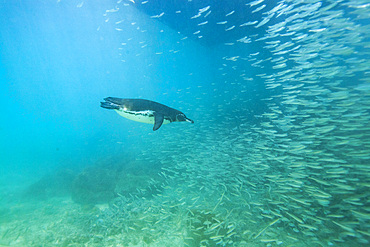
(180,117)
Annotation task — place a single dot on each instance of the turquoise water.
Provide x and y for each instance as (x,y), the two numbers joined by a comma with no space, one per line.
(278,154)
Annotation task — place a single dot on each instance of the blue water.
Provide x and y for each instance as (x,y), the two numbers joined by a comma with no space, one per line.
(52,77)
(279,149)
(56,68)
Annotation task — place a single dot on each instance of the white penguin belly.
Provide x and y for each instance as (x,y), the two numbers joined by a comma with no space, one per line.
(140,116)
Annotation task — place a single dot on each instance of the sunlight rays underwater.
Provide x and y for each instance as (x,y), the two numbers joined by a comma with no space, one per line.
(279,152)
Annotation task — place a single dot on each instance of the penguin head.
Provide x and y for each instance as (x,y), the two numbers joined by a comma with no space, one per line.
(182,118)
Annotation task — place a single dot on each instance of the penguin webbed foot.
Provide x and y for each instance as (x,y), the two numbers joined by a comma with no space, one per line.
(109,105)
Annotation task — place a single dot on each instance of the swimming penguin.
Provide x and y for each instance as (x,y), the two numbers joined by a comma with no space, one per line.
(145,111)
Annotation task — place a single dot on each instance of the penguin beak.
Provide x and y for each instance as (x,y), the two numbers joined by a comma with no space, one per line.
(189,120)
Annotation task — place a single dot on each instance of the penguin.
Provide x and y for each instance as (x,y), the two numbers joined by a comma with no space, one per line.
(145,111)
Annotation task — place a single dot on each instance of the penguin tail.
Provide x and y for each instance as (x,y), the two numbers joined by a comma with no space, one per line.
(109,105)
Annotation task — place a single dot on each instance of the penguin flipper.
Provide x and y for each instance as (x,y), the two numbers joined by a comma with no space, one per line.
(158,120)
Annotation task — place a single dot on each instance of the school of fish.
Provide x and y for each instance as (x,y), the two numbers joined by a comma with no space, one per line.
(295,174)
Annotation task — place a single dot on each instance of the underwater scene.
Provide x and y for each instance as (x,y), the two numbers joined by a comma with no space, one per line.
(181,123)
